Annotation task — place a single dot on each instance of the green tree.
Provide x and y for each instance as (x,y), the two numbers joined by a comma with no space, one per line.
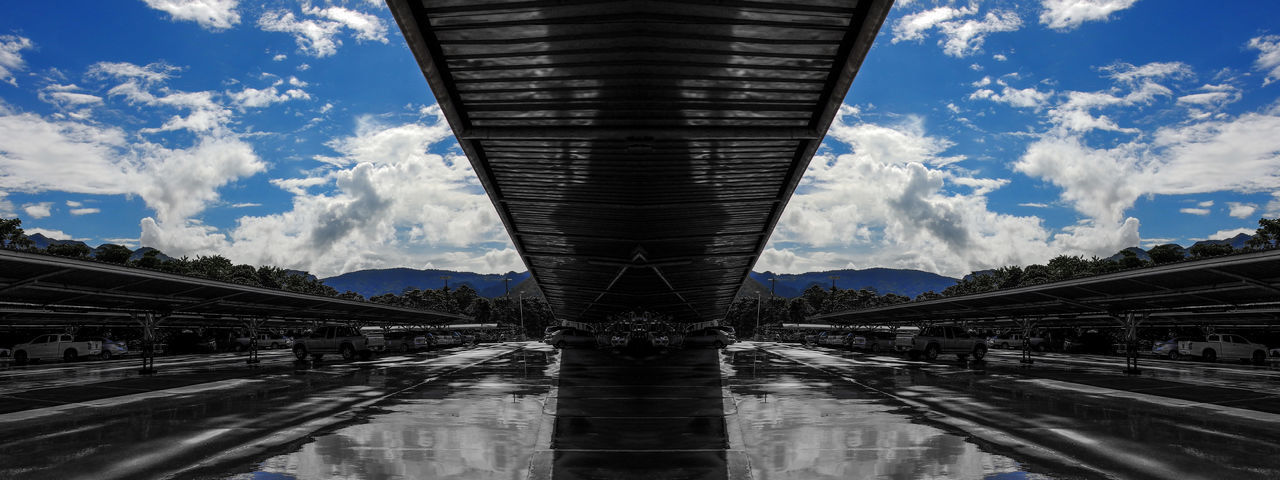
(12,235)
(1167,253)
(74,250)
(1206,250)
(150,259)
(1267,235)
(112,253)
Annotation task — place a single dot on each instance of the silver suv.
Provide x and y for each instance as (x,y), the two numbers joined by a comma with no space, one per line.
(933,341)
(345,341)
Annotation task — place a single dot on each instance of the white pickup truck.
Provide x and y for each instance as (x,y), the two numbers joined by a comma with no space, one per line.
(934,341)
(55,346)
(1223,345)
(345,341)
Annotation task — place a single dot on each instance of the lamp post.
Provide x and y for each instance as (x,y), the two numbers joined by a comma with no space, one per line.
(506,283)
(833,281)
(446,281)
(757,331)
(523,335)
(773,286)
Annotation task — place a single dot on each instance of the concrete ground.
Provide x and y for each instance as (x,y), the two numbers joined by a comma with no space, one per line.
(751,411)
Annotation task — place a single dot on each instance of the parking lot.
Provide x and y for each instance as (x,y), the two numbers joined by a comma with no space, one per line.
(504,411)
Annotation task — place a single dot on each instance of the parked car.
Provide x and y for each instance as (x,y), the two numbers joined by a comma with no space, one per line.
(571,337)
(111,348)
(377,340)
(1169,348)
(933,341)
(446,339)
(708,337)
(342,340)
(834,339)
(54,346)
(1091,341)
(1216,346)
(407,341)
(873,342)
(1015,340)
(265,341)
(5,353)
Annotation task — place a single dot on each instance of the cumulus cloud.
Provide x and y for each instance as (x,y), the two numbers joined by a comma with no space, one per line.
(1226,234)
(961,36)
(177,178)
(257,98)
(38,210)
(316,31)
(1069,14)
(1022,98)
(210,14)
(1241,210)
(11,47)
(897,199)
(382,200)
(53,234)
(1268,47)
(1102,181)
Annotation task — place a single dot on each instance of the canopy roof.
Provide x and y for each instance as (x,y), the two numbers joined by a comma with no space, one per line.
(36,287)
(1235,290)
(639,152)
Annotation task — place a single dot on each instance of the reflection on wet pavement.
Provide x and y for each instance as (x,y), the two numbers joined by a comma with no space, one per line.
(799,423)
(481,422)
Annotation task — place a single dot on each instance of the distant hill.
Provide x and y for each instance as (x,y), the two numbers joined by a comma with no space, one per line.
(1236,242)
(394,280)
(884,280)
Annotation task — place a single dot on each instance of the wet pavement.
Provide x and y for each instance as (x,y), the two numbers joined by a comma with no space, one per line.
(751,411)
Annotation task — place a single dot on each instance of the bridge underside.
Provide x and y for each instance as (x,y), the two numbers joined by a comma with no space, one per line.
(639,152)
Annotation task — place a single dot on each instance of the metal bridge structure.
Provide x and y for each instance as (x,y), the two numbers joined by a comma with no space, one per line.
(639,153)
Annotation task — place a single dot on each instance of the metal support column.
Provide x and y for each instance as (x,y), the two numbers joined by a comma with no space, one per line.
(253,324)
(1027,326)
(149,322)
(1131,322)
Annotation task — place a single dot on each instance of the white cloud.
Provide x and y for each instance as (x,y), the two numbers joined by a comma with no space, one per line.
(148,74)
(318,35)
(981,83)
(382,201)
(38,210)
(897,200)
(257,98)
(84,211)
(1241,210)
(1268,59)
(1227,234)
(279,57)
(52,234)
(999,57)
(73,203)
(1034,205)
(1195,211)
(11,60)
(961,36)
(210,14)
(245,205)
(1022,98)
(1206,203)
(1129,73)
(1069,14)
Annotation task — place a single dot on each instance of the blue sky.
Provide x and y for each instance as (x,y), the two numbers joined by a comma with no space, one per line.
(302,134)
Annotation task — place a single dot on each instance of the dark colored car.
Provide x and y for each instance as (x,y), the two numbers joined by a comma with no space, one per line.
(1090,342)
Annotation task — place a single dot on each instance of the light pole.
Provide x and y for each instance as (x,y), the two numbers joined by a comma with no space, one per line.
(773,285)
(757,331)
(833,281)
(523,335)
(446,281)
(506,283)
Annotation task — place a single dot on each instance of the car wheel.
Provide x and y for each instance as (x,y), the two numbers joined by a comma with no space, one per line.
(1174,355)
(300,353)
(931,352)
(105,355)
(979,351)
(875,348)
(274,346)
(348,352)
(70,355)
(1259,357)
(20,357)
(404,348)
(1005,345)
(1209,355)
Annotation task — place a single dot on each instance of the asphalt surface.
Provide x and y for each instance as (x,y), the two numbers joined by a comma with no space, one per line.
(751,411)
